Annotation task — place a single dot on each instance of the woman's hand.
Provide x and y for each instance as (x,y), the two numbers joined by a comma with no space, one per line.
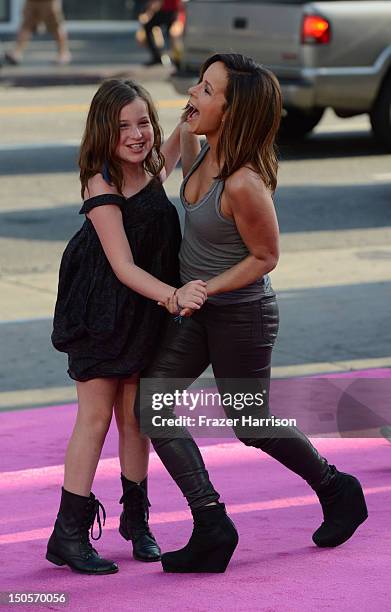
(192,295)
(189,297)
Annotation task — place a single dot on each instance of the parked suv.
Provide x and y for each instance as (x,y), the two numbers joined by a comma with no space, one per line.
(326,54)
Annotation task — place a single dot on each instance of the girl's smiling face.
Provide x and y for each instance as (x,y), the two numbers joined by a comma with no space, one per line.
(136,138)
(208,101)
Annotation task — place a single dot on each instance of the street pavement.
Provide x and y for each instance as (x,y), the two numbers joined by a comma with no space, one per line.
(95,55)
(333,204)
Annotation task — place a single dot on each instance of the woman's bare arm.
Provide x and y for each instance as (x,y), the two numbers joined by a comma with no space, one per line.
(255,217)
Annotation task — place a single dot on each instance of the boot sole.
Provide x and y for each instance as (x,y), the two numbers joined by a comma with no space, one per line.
(194,570)
(206,567)
(146,560)
(128,539)
(60,562)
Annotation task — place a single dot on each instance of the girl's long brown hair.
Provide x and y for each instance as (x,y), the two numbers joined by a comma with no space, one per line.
(101,134)
(252,119)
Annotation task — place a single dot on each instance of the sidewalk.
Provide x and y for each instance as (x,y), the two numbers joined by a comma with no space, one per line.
(95,56)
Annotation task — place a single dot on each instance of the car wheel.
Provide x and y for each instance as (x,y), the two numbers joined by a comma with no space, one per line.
(297,123)
(381,115)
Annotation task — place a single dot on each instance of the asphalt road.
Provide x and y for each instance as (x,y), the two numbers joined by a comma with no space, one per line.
(334,210)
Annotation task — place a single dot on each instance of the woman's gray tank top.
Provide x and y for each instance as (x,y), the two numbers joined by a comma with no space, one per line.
(212,244)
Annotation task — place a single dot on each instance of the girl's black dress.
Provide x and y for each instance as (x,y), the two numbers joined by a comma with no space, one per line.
(107,329)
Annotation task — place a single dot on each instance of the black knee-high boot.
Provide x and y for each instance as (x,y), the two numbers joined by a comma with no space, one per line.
(292,448)
(214,536)
(341,495)
(344,509)
(134,520)
(69,543)
(211,544)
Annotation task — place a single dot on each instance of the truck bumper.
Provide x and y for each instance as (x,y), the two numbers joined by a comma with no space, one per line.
(348,89)
(298,93)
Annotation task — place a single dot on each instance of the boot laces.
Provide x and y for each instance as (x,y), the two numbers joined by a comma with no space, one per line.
(92,513)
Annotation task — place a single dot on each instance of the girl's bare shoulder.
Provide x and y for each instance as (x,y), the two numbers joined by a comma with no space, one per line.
(97,185)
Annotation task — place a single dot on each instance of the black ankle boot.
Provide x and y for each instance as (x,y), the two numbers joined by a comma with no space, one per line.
(344,509)
(69,543)
(134,520)
(211,544)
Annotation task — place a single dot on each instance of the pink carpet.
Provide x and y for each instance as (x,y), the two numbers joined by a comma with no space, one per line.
(275,568)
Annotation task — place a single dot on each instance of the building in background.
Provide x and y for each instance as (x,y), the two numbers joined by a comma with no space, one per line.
(89,14)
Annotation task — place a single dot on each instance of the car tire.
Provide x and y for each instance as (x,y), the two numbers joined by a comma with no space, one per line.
(381,115)
(297,123)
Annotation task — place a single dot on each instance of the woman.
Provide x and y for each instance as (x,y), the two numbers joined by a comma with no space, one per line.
(231,242)
(122,260)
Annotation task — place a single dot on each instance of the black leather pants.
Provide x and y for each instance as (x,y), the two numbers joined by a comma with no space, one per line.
(238,341)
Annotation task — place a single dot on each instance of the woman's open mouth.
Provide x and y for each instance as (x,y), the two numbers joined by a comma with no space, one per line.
(191,112)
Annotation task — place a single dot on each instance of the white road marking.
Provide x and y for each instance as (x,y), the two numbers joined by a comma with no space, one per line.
(31,146)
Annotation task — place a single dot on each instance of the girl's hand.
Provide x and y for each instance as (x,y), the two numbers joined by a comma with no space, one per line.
(171,305)
(189,142)
(186,312)
(184,116)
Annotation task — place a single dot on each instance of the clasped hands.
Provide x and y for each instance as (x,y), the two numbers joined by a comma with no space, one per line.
(185,300)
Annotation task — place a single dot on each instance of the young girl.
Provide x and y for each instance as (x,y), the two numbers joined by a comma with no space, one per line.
(113,272)
(231,241)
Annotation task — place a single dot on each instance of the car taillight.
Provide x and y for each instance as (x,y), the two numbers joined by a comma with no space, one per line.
(315,30)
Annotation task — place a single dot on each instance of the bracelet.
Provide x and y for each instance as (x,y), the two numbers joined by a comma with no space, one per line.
(177,316)
(173,295)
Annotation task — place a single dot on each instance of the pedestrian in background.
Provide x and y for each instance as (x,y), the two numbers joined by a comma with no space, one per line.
(35,13)
(162,14)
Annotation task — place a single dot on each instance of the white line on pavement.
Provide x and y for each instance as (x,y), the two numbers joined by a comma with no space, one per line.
(385,176)
(55,396)
(39,145)
(29,320)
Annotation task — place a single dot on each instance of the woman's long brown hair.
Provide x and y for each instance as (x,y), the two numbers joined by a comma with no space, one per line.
(101,134)
(252,119)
